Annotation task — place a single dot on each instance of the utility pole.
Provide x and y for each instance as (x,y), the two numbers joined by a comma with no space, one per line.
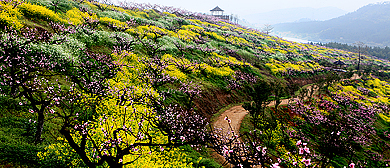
(361,47)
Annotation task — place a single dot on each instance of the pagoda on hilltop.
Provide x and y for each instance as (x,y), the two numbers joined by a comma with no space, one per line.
(218,12)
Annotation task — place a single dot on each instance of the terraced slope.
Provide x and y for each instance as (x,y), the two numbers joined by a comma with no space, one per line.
(87,84)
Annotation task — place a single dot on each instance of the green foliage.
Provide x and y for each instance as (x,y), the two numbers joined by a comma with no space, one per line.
(153,14)
(69,50)
(8,104)
(97,38)
(200,158)
(63,5)
(260,94)
(169,44)
(248,56)
(59,156)
(138,14)
(15,143)
(219,49)
(115,15)
(164,23)
(247,125)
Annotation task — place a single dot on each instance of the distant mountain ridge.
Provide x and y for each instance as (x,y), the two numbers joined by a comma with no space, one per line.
(369,24)
(294,14)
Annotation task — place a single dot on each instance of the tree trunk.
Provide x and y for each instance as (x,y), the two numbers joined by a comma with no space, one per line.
(80,150)
(40,122)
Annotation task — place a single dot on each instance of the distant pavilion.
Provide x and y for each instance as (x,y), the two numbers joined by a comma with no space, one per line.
(218,12)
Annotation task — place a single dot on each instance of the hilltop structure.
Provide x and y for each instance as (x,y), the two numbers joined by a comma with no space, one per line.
(218,12)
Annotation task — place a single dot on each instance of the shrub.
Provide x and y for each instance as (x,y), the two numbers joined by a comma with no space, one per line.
(169,14)
(58,155)
(153,14)
(338,127)
(165,22)
(215,36)
(40,12)
(72,46)
(187,35)
(142,21)
(112,22)
(68,50)
(9,15)
(238,41)
(10,21)
(157,24)
(102,38)
(218,71)
(172,70)
(138,14)
(76,17)
(169,45)
(116,15)
(199,159)
(62,5)
(152,31)
(89,5)
(56,51)
(193,28)
(204,24)
(97,38)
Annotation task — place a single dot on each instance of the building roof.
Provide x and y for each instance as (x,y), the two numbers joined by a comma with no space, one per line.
(216,9)
(339,63)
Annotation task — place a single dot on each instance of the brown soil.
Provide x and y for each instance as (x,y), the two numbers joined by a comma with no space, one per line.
(211,101)
(237,113)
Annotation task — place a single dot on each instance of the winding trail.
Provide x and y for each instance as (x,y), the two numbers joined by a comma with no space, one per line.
(237,113)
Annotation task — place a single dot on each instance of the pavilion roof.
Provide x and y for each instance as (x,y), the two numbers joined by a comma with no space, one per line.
(339,63)
(216,9)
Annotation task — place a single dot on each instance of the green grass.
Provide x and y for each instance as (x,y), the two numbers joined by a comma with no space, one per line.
(200,157)
(16,144)
(246,124)
(16,132)
(17,148)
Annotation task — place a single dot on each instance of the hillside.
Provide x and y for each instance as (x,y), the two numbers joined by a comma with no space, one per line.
(379,52)
(368,24)
(294,15)
(88,84)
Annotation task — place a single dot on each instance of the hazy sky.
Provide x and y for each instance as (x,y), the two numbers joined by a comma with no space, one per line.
(244,7)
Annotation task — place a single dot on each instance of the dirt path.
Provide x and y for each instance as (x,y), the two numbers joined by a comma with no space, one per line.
(237,113)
